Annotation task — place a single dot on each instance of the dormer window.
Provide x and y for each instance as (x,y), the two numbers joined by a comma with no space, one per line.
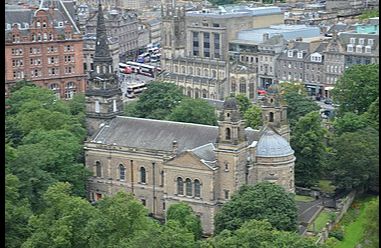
(38,24)
(300,55)
(60,24)
(26,25)
(361,41)
(290,53)
(8,26)
(370,42)
(368,49)
(350,48)
(358,49)
(44,24)
(352,40)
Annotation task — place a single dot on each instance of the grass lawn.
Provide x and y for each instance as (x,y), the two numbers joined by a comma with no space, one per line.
(303,198)
(320,221)
(326,186)
(353,232)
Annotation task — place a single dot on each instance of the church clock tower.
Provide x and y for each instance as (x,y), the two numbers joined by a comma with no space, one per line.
(103,95)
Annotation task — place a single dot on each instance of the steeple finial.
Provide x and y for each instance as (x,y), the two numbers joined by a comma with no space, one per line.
(101,46)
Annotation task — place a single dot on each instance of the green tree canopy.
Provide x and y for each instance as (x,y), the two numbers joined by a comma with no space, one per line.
(372,115)
(259,234)
(371,230)
(349,122)
(243,103)
(356,159)
(308,143)
(253,117)
(262,201)
(63,222)
(158,101)
(183,213)
(194,111)
(17,213)
(357,88)
(298,104)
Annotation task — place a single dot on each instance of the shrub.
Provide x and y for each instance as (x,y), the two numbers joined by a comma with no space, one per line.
(338,234)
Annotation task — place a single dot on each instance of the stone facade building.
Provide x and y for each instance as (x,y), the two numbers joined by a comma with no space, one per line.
(165,162)
(195,45)
(44,46)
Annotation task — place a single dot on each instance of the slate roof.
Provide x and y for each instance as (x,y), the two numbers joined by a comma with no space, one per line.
(272,144)
(18,16)
(159,135)
(206,154)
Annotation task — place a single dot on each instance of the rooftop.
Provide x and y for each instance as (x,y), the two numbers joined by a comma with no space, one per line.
(234,11)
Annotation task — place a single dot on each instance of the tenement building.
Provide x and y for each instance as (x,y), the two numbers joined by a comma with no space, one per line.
(195,46)
(45,47)
(164,162)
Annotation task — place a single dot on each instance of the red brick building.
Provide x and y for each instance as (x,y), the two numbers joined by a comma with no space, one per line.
(44,46)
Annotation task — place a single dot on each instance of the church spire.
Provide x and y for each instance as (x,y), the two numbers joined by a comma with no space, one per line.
(102,51)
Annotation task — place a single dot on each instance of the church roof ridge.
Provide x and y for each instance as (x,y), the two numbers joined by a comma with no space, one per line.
(167,121)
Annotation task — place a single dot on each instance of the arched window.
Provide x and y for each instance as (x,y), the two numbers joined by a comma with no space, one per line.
(214,73)
(142,175)
(197,188)
(196,93)
(227,133)
(98,169)
(122,172)
(204,93)
(271,117)
(188,185)
(69,90)
(183,69)
(180,186)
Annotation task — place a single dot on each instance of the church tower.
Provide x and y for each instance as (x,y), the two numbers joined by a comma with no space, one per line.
(172,31)
(231,151)
(103,95)
(274,113)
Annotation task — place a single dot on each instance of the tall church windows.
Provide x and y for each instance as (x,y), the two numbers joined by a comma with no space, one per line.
(271,117)
(180,186)
(122,172)
(183,69)
(161,178)
(143,178)
(204,93)
(227,133)
(196,93)
(197,188)
(97,107)
(98,169)
(188,187)
(226,193)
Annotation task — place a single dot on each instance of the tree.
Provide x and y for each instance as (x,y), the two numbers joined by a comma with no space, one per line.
(371,230)
(357,88)
(349,122)
(259,234)
(130,109)
(158,101)
(308,143)
(253,117)
(17,213)
(183,213)
(194,111)
(119,219)
(243,103)
(262,201)
(63,222)
(298,106)
(356,159)
(372,115)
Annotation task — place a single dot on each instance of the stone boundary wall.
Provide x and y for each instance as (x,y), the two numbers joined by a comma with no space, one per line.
(342,209)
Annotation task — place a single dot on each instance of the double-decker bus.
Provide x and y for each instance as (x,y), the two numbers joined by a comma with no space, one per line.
(124,68)
(136,89)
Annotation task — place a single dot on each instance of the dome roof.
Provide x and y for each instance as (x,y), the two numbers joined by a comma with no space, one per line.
(272,144)
(230,103)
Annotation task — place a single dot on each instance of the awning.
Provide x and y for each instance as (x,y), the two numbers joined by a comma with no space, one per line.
(329,88)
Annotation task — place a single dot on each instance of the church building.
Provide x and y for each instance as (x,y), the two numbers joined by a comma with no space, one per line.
(165,162)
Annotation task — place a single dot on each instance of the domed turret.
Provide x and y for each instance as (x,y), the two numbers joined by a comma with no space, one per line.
(272,144)
(231,103)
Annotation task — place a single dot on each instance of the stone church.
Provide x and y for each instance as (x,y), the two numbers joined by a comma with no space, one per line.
(164,162)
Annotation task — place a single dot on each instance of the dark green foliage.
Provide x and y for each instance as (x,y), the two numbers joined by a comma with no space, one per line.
(357,88)
(158,101)
(243,103)
(262,201)
(62,222)
(17,213)
(356,159)
(194,111)
(223,2)
(371,235)
(307,142)
(183,213)
(372,115)
(259,234)
(337,234)
(369,14)
(298,106)
(253,117)
(130,109)
(349,122)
